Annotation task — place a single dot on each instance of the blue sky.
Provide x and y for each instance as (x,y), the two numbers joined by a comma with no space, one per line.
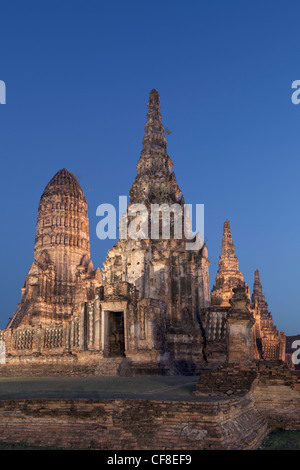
(78,75)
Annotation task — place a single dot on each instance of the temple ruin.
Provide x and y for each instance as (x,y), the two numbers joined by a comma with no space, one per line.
(150,310)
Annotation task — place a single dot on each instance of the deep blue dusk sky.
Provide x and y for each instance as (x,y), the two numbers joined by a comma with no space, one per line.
(78,77)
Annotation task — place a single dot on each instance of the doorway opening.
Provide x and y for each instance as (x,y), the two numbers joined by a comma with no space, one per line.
(116,342)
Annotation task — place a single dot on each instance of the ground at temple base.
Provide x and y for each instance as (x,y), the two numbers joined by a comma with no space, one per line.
(160,388)
(275,440)
(280,439)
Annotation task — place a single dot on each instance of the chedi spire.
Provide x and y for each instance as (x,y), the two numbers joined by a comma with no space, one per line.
(154,140)
(155,181)
(257,296)
(228,260)
(61,254)
(228,275)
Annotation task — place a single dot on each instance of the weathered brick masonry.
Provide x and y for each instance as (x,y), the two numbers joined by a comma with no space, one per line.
(133,424)
(277,395)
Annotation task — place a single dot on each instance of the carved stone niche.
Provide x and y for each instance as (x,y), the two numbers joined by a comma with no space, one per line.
(240,323)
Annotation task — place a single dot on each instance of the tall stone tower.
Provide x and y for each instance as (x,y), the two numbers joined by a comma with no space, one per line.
(61,254)
(228,275)
(257,297)
(270,343)
(155,181)
(160,268)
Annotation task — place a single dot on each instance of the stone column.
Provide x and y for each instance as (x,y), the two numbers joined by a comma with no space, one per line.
(66,337)
(240,323)
(82,327)
(97,316)
(90,321)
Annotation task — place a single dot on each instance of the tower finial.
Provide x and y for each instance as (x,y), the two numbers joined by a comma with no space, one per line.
(154,99)
(257,295)
(154,140)
(228,275)
(155,182)
(227,248)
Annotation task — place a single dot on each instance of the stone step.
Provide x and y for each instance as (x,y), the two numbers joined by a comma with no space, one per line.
(113,366)
(116,366)
(143,368)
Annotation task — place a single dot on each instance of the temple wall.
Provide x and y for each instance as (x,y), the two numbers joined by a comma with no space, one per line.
(133,424)
(147,340)
(214,323)
(92,337)
(277,396)
(163,270)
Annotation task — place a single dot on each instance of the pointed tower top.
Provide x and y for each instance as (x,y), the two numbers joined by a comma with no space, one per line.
(228,275)
(154,141)
(155,181)
(228,260)
(154,99)
(257,296)
(227,249)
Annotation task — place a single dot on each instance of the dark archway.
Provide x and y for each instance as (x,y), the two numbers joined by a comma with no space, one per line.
(116,342)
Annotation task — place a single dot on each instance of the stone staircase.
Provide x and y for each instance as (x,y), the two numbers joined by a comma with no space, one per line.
(143,368)
(112,367)
(121,366)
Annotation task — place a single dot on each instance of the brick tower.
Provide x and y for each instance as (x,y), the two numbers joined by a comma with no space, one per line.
(228,275)
(160,268)
(61,254)
(270,342)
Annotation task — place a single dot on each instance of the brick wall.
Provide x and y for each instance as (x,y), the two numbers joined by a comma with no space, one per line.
(277,396)
(133,424)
